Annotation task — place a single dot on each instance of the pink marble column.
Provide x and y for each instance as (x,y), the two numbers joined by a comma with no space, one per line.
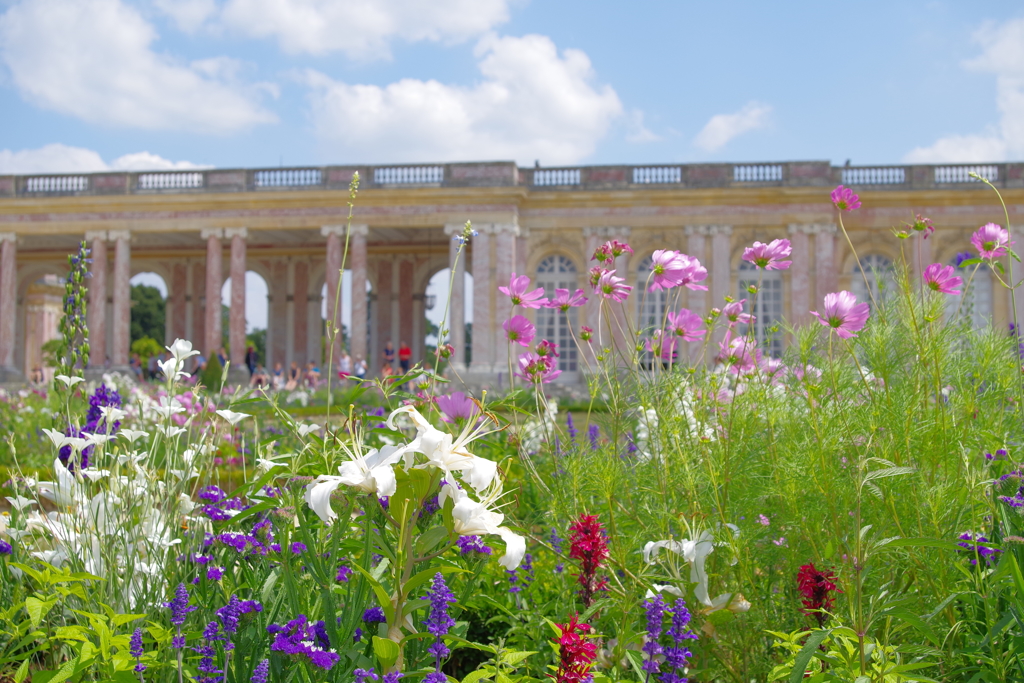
(721,267)
(825,273)
(482,291)
(385,292)
(405,307)
(214,280)
(799,276)
(8,301)
(357,339)
(457,297)
(98,299)
(122,324)
(277,325)
(334,234)
(505,236)
(300,301)
(198,295)
(179,290)
(236,321)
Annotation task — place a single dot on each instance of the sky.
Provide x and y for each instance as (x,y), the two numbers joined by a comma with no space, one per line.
(90,85)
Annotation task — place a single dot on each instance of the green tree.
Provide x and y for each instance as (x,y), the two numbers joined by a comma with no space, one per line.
(149,311)
(258,340)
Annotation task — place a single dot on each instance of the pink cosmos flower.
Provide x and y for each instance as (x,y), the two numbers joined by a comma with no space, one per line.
(456,405)
(547,348)
(612,287)
(516,291)
(940,278)
(610,250)
(693,272)
(991,240)
(537,369)
(773,368)
(661,345)
(768,256)
(563,301)
(586,333)
(594,276)
(923,225)
(845,199)
(686,324)
(843,314)
(740,354)
(520,330)
(734,313)
(667,269)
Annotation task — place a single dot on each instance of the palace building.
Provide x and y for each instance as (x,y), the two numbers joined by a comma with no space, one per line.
(197,228)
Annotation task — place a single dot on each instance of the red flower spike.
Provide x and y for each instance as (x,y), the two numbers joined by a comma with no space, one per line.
(590,547)
(817,587)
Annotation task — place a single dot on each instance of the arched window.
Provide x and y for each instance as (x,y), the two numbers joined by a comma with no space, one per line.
(881,277)
(767,304)
(558,272)
(976,299)
(650,305)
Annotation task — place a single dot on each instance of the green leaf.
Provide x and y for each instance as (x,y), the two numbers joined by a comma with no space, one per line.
(514,658)
(386,650)
(829,550)
(59,676)
(380,591)
(122,619)
(921,542)
(22,673)
(37,609)
(803,657)
(477,676)
(636,660)
(427,574)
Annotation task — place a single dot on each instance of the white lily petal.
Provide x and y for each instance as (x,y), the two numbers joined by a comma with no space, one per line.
(318,496)
(232,417)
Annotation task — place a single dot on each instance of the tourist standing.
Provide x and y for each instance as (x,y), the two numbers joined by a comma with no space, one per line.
(404,357)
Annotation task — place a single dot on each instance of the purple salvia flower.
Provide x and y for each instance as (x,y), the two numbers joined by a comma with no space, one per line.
(438,621)
(677,653)
(344,574)
(472,544)
(392,677)
(136,650)
(374,615)
(655,614)
(593,433)
(230,613)
(570,427)
(363,675)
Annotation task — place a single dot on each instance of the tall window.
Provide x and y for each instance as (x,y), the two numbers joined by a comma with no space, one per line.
(881,278)
(650,306)
(767,304)
(558,272)
(976,300)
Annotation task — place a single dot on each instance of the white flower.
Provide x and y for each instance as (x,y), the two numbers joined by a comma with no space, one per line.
(263,465)
(181,349)
(694,552)
(476,518)
(112,414)
(318,496)
(59,439)
(97,439)
(185,504)
(132,435)
(69,381)
(446,453)
(171,369)
(232,417)
(372,473)
(170,431)
(166,408)
(19,503)
(305,430)
(65,491)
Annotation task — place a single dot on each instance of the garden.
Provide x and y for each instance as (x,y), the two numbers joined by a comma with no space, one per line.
(849,511)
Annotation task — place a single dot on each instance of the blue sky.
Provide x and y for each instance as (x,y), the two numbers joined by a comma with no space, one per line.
(95,84)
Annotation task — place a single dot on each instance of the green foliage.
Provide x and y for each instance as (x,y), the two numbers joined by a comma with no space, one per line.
(53,350)
(146,347)
(258,340)
(149,310)
(211,377)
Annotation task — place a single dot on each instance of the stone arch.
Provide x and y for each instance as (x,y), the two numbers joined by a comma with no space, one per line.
(40,301)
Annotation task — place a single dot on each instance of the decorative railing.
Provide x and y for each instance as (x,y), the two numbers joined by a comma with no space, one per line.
(961,174)
(408,175)
(880,175)
(288,177)
(170,181)
(556,176)
(59,183)
(758,173)
(504,174)
(657,175)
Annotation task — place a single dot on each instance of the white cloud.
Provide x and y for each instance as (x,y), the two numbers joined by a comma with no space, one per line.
(93,59)
(722,128)
(189,15)
(362,29)
(58,158)
(1002,55)
(637,131)
(532,104)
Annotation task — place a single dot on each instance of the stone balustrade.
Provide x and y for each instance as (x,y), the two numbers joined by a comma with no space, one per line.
(502,174)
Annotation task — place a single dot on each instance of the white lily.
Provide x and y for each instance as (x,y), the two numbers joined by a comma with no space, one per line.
(170,431)
(97,439)
(65,491)
(59,439)
(477,518)
(264,465)
(171,368)
(112,414)
(694,552)
(446,453)
(370,473)
(19,503)
(232,417)
(69,381)
(318,496)
(166,408)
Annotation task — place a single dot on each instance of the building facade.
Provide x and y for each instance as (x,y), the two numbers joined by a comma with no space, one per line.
(195,229)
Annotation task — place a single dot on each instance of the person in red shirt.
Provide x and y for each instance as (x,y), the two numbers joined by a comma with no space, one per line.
(404,357)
